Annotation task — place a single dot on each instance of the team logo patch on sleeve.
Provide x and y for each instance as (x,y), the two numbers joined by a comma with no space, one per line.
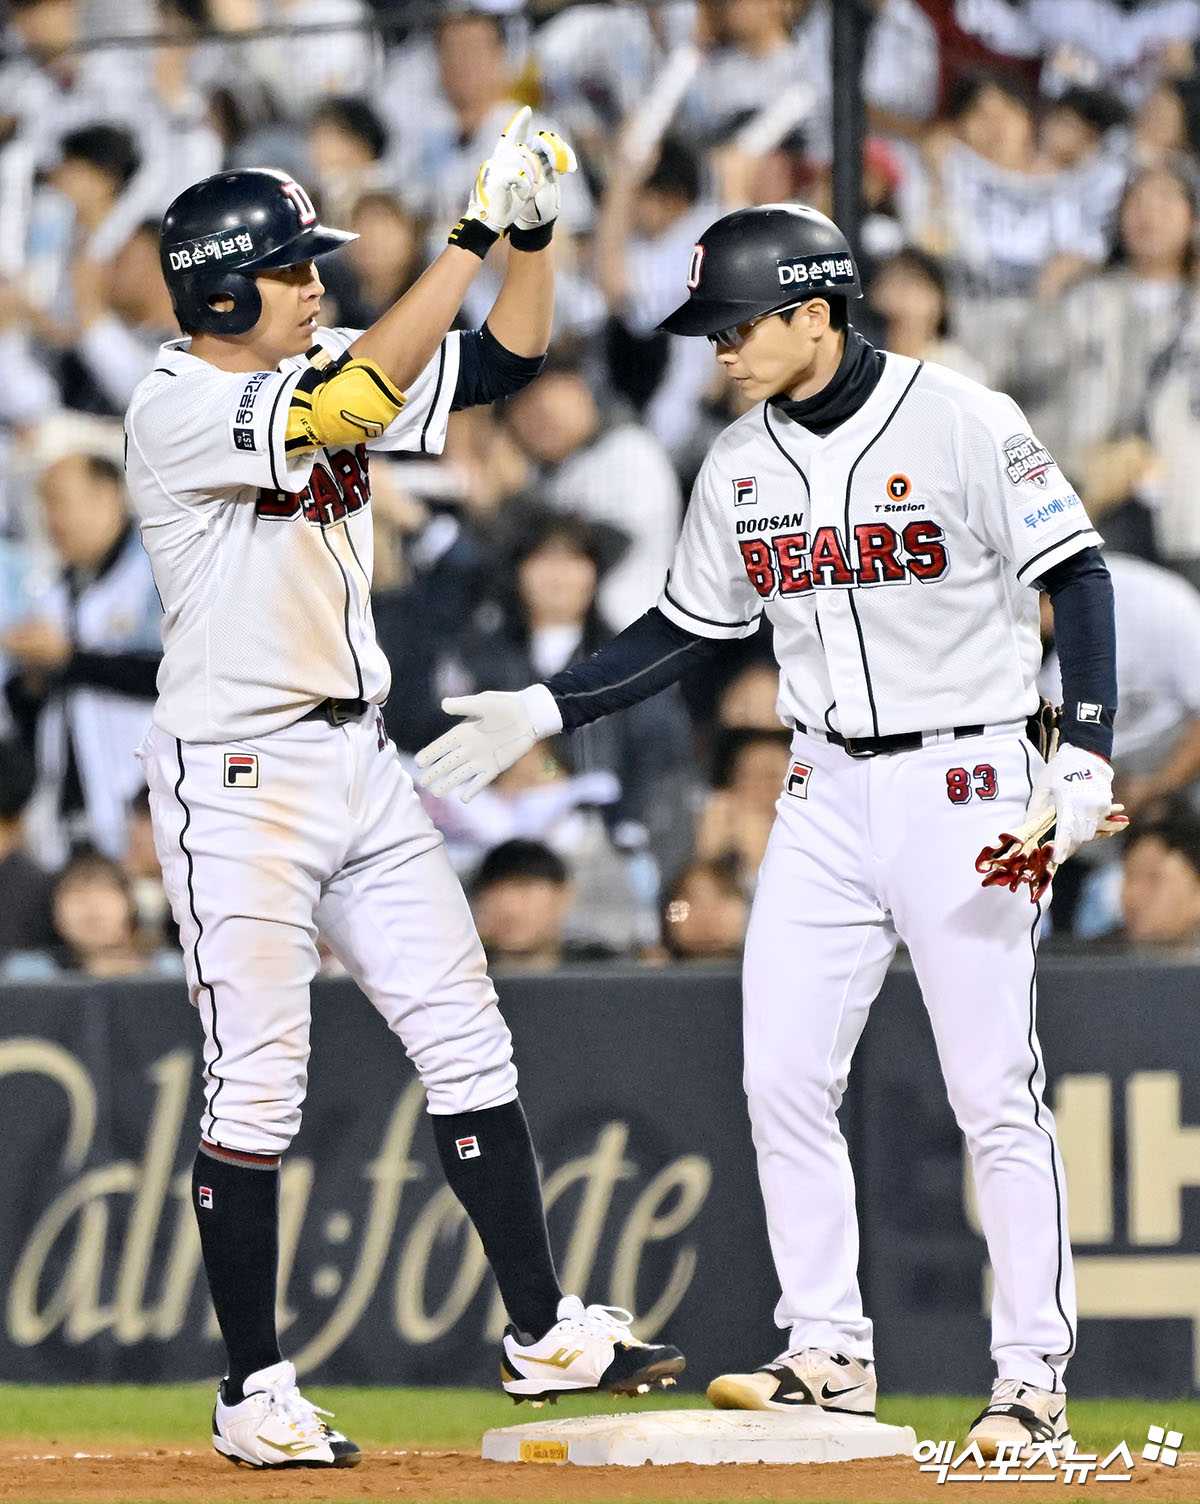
(797,780)
(1025,458)
(745,491)
(468,1148)
(241,770)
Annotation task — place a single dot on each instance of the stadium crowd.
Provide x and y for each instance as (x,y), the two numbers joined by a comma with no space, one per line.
(1031,180)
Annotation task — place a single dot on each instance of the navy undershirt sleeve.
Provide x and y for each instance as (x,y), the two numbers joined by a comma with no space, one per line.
(646,657)
(487,370)
(1085,635)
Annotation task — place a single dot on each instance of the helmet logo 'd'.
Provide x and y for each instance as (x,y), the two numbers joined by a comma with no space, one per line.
(304,204)
(697,261)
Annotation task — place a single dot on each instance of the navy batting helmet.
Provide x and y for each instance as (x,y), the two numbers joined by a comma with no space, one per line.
(758,261)
(222,230)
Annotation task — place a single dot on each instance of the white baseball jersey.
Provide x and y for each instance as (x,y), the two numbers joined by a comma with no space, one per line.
(263,562)
(894,557)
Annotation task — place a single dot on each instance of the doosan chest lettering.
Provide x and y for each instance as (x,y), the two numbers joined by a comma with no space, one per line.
(854,540)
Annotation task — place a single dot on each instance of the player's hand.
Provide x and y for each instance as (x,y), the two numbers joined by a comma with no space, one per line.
(508,179)
(1076,786)
(1026,855)
(556,159)
(37,644)
(500,727)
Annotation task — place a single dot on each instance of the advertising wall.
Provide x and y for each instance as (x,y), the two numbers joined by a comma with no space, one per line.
(631,1081)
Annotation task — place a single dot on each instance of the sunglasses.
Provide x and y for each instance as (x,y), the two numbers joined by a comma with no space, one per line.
(736,335)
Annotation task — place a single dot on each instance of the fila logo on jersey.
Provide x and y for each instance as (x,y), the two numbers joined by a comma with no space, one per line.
(797,780)
(745,491)
(241,770)
(1026,459)
(877,555)
(468,1148)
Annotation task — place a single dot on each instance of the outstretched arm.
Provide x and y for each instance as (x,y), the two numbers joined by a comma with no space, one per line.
(500,727)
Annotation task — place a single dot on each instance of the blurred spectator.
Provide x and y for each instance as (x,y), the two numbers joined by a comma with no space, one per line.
(606,468)
(1100,350)
(1160,888)
(26,922)
(1112,43)
(48,88)
(1010,223)
(544,615)
(746,54)
(95,166)
(736,820)
(908,292)
(95,925)
(85,662)
(347,143)
(123,314)
(319,47)
(540,799)
(521,897)
(652,214)
(383,262)
(705,912)
(144,874)
(593,64)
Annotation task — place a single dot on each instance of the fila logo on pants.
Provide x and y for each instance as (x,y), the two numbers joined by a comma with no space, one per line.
(241,770)
(468,1148)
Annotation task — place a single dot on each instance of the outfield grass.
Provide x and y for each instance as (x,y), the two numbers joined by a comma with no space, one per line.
(177,1415)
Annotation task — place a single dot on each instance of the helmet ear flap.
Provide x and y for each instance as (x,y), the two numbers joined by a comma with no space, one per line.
(194,298)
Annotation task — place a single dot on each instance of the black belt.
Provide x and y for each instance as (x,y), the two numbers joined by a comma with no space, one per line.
(876,746)
(337,712)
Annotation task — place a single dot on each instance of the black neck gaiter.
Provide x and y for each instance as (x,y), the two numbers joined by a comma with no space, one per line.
(855,379)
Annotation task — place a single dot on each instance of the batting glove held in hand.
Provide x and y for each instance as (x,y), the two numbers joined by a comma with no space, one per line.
(541,210)
(500,727)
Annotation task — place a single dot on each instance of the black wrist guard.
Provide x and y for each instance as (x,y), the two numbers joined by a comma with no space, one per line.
(474,236)
(531,240)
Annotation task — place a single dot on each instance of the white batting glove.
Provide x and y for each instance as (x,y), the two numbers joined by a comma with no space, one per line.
(500,727)
(508,179)
(556,159)
(1077,786)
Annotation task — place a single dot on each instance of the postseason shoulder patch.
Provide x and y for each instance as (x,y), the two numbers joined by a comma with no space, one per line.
(1025,458)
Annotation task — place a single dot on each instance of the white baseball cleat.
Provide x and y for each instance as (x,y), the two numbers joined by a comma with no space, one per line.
(1020,1415)
(808,1376)
(275,1426)
(588,1350)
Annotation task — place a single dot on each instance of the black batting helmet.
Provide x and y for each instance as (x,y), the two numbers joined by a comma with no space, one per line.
(757,261)
(222,230)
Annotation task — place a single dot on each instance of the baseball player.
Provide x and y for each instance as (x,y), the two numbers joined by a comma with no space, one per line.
(895,522)
(280,808)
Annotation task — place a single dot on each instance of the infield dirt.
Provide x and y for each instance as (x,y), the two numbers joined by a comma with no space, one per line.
(32,1472)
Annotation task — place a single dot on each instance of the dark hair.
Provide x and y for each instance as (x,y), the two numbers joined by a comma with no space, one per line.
(839,310)
(469,10)
(967,89)
(108,148)
(520,859)
(732,741)
(357,117)
(677,171)
(102,470)
(1099,108)
(1176,824)
(927,266)
(724,872)
(85,862)
(197,13)
(1180,168)
(18,774)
